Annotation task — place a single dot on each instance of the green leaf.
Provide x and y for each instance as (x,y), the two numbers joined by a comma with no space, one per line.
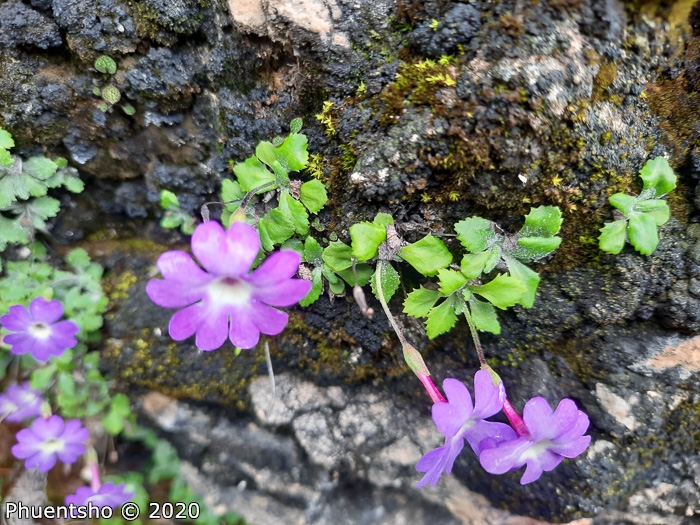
(336,284)
(105,64)
(38,210)
(293,154)
(316,287)
(11,232)
(129,110)
(168,200)
(313,195)
(503,292)
(296,212)
(643,233)
(389,279)
(420,301)
(338,256)
(484,316)
(278,225)
(39,168)
(111,95)
(475,234)
(534,248)
(612,236)
(364,275)
(293,244)
(41,377)
(624,203)
(656,208)
(366,238)
(78,259)
(383,219)
(170,221)
(450,281)
(658,174)
(295,125)
(473,264)
(6,160)
(494,258)
(252,173)
(543,221)
(313,253)
(428,255)
(231,191)
(441,318)
(6,141)
(527,276)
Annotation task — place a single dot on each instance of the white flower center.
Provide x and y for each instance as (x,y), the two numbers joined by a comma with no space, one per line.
(39,330)
(536,450)
(52,445)
(230,291)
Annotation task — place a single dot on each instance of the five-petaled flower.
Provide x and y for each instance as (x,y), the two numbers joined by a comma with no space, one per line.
(37,330)
(50,439)
(226,300)
(459,419)
(108,495)
(550,437)
(20,402)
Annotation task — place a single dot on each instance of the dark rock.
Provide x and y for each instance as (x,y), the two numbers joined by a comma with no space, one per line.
(22,25)
(446,36)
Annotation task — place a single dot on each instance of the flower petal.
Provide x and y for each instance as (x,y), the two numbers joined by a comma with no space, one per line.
(20,343)
(277,268)
(187,321)
(71,452)
(577,429)
(243,331)
(539,419)
(436,461)
(285,293)
(269,321)
(449,417)
(497,432)
(46,311)
(488,398)
(42,349)
(17,320)
(213,331)
(173,294)
(572,448)
(505,456)
(178,266)
(533,471)
(229,253)
(51,427)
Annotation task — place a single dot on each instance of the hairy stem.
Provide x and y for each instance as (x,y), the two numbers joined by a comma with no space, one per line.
(475,336)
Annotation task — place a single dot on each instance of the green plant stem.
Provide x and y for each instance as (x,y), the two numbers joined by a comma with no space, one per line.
(385,306)
(475,336)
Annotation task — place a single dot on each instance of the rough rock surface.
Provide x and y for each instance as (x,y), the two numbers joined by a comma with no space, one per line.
(439,110)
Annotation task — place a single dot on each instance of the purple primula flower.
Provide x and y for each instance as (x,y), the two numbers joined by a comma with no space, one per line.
(552,437)
(460,419)
(226,300)
(37,330)
(20,402)
(108,495)
(50,439)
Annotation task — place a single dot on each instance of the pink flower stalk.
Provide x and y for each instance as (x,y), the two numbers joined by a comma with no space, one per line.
(551,437)
(460,419)
(20,402)
(37,329)
(50,439)
(224,299)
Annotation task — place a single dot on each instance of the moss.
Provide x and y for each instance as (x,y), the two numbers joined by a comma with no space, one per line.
(603,80)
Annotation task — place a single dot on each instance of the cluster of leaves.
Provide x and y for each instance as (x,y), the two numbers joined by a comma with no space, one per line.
(469,290)
(488,249)
(641,215)
(175,216)
(110,94)
(327,119)
(24,205)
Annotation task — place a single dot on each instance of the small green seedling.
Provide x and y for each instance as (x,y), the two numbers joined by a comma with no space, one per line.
(175,217)
(105,64)
(641,215)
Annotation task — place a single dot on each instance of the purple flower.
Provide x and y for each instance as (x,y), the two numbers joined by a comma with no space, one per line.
(50,439)
(226,300)
(20,402)
(37,330)
(553,437)
(108,495)
(460,419)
